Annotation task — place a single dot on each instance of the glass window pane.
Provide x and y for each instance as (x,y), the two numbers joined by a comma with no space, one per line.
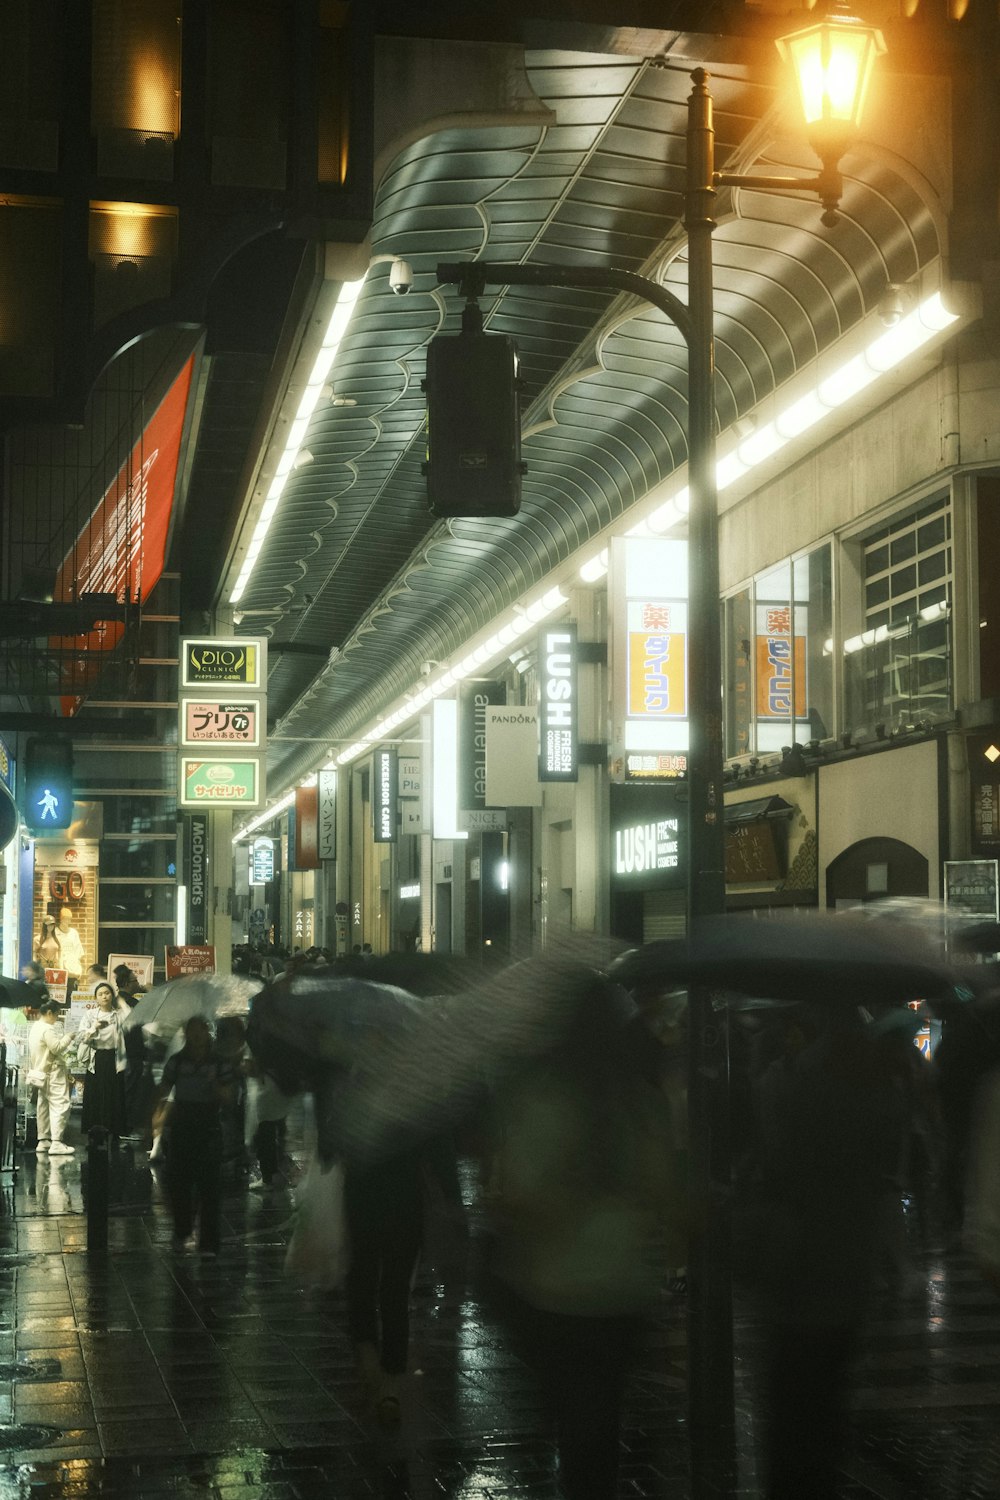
(136,902)
(876,561)
(931,535)
(137,858)
(876,593)
(933,567)
(903,580)
(903,546)
(738,669)
(138,814)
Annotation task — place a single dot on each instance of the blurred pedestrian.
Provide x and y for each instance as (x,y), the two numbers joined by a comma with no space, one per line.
(49,1073)
(831,1128)
(193,1077)
(101,1052)
(585,1176)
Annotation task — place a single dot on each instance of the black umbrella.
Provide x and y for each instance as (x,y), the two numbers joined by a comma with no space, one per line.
(976,937)
(15,993)
(831,958)
(300,1028)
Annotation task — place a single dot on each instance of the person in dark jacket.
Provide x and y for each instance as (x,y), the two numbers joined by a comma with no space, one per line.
(194,1076)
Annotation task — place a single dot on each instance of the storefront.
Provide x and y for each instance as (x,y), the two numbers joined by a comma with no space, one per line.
(649,855)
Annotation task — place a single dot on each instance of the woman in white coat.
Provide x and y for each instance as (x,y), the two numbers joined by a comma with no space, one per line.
(48,1071)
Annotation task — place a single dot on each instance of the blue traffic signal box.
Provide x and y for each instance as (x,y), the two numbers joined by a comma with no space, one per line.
(47,789)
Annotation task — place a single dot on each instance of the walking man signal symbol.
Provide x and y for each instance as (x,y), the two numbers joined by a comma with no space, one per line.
(49,804)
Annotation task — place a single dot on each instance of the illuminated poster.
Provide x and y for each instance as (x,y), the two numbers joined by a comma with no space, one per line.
(780,662)
(649,658)
(657,659)
(121,547)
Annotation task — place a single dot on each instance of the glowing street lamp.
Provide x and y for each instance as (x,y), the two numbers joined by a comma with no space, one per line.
(832,62)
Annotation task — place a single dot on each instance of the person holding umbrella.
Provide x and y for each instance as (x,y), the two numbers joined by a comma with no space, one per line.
(194,1077)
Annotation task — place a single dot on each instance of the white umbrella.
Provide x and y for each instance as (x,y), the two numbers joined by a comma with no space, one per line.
(168,1006)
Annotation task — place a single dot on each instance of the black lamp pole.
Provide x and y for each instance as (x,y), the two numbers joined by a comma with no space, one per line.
(711,1406)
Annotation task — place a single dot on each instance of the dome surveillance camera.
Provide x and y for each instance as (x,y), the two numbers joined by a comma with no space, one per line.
(892,306)
(400,277)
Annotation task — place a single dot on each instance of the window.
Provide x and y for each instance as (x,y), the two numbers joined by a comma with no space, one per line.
(898,666)
(778,665)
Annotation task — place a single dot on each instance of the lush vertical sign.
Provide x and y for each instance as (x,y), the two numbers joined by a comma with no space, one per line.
(558,710)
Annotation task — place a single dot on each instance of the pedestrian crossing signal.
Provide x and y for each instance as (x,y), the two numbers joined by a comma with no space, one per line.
(474,463)
(48,785)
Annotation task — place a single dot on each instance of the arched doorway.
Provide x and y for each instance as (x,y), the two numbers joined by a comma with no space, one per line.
(873,869)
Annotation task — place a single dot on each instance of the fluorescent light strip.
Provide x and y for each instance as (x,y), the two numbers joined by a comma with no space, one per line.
(266,817)
(498,644)
(881,356)
(336,328)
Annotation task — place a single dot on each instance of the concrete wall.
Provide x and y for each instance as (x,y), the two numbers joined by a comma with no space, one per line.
(893,794)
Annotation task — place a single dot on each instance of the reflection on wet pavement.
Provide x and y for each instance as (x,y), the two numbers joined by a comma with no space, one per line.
(148,1374)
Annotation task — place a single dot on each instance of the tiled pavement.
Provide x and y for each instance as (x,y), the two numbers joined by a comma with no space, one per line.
(145,1374)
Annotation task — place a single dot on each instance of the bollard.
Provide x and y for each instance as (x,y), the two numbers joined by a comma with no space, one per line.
(98,1183)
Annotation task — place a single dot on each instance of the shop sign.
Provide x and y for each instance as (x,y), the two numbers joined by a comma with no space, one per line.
(409,892)
(195,872)
(484,820)
(327,814)
(219,783)
(474,699)
(558,711)
(384,794)
(261,861)
(188,958)
(970,889)
(642,847)
(512,757)
(141,965)
(657,659)
(649,658)
(205,663)
(306,828)
(6,767)
(648,849)
(210,722)
(410,779)
(780,660)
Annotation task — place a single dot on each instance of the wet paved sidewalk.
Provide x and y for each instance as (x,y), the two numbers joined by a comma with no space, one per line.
(148,1374)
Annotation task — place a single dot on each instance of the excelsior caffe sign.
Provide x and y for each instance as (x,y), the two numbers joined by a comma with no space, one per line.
(222,714)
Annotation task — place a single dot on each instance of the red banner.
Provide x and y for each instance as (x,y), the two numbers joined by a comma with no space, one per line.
(306,828)
(121,548)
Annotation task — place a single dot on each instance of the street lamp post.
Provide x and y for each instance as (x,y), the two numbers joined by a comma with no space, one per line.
(833,61)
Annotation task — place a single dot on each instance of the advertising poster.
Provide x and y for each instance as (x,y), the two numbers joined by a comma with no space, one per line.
(141,965)
(781,662)
(189,958)
(970,889)
(657,659)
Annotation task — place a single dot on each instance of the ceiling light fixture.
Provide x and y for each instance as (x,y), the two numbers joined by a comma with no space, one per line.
(294,454)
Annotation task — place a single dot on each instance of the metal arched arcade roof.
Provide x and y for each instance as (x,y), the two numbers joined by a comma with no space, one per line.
(356,585)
